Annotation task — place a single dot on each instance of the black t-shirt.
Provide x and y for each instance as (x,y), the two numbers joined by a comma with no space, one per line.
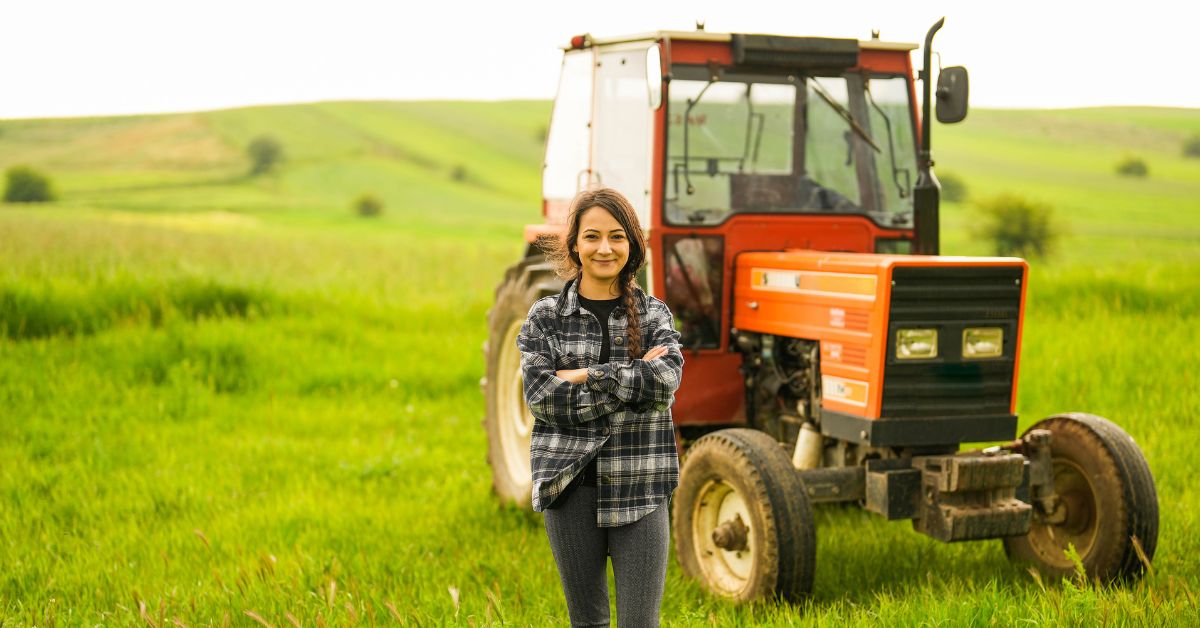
(602,309)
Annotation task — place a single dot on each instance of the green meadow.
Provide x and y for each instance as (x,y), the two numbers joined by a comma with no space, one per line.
(228,400)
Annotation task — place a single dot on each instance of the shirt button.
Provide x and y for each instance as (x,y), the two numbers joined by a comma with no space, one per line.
(619,340)
(604,431)
(604,479)
(595,373)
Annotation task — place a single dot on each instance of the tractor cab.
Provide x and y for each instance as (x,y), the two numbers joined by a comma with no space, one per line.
(697,127)
(735,142)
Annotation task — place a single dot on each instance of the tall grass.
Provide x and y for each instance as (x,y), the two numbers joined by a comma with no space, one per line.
(323,458)
(68,308)
(234,403)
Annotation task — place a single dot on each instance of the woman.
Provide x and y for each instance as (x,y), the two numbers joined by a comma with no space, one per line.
(603,450)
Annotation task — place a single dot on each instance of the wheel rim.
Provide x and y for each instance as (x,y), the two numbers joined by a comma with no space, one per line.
(1077,495)
(513,415)
(719,508)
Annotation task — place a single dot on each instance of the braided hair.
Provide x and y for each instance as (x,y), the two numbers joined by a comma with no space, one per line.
(560,251)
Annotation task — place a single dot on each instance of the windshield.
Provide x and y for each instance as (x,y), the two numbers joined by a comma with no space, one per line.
(802,144)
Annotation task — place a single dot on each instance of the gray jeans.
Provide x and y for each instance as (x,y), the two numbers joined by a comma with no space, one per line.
(581,549)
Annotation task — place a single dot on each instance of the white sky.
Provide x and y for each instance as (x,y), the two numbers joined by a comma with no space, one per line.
(62,58)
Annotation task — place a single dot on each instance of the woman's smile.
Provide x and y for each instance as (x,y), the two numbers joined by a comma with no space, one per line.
(604,268)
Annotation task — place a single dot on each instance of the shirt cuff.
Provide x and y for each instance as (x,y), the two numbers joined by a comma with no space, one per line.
(602,377)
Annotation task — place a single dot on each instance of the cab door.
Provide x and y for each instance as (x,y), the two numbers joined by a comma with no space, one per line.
(623,124)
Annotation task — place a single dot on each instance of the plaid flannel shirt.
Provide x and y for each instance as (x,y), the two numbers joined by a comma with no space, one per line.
(621,414)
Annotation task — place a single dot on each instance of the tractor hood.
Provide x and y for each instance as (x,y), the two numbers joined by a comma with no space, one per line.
(940,309)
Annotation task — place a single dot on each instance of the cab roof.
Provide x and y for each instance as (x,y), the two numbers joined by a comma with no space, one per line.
(698,35)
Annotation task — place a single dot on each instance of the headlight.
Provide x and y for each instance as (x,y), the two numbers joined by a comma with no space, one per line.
(916,344)
(982,342)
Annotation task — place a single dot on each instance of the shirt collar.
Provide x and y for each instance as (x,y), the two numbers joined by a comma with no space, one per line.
(568,299)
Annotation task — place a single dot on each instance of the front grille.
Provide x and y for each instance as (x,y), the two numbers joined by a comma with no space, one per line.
(951,299)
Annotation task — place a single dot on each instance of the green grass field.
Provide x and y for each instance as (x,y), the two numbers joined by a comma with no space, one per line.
(225,398)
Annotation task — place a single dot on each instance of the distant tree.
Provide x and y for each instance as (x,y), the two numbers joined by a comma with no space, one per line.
(265,153)
(1133,167)
(1017,226)
(953,188)
(368,205)
(458,173)
(1191,146)
(26,185)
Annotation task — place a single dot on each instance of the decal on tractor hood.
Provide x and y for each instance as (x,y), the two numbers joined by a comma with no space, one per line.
(849,391)
(813,282)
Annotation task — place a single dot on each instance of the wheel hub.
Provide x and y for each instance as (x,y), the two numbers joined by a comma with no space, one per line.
(1075,520)
(732,535)
(724,537)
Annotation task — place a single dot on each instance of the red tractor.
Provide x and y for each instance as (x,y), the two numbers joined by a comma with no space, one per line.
(832,355)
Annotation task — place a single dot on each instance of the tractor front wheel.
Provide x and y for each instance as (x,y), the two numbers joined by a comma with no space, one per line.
(742,521)
(1106,503)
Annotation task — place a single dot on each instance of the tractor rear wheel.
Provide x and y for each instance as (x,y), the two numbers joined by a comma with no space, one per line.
(1106,502)
(742,522)
(508,422)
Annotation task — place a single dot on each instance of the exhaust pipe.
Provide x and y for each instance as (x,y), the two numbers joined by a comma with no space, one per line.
(926,193)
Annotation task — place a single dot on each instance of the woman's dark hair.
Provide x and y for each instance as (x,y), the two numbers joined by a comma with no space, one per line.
(562,254)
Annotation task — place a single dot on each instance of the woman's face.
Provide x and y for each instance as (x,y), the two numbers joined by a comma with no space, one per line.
(603,245)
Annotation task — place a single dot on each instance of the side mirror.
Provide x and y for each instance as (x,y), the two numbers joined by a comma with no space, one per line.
(654,76)
(952,95)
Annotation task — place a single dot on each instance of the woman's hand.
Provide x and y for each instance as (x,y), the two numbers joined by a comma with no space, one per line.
(575,376)
(656,352)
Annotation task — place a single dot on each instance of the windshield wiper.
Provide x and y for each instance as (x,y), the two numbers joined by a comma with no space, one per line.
(844,113)
(751,117)
(687,117)
(901,189)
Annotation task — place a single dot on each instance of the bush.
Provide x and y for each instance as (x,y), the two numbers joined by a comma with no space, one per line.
(1191,146)
(265,153)
(368,206)
(953,188)
(1017,226)
(26,185)
(1133,167)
